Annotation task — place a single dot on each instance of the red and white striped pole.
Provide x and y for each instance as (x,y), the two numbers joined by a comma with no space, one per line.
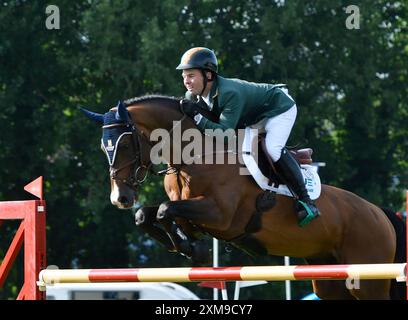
(268,273)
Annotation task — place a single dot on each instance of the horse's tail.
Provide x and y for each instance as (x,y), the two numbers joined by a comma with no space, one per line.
(398,289)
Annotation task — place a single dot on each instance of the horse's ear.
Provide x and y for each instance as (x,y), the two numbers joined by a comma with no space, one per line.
(92,115)
(122,113)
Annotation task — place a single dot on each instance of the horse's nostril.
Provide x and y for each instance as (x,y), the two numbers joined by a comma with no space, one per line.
(124,200)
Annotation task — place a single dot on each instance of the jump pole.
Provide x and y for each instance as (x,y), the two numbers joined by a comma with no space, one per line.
(268,273)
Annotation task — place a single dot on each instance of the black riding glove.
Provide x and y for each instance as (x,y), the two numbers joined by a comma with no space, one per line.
(190,108)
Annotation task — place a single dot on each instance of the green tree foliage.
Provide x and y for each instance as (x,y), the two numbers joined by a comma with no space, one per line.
(350,87)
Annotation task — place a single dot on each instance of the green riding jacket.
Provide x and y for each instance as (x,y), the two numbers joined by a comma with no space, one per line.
(240,103)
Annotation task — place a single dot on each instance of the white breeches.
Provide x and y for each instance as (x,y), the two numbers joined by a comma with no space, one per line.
(278,130)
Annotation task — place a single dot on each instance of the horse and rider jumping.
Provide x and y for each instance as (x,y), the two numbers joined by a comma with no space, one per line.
(337,228)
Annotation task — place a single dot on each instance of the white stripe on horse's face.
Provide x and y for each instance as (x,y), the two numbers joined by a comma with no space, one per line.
(114,196)
(121,195)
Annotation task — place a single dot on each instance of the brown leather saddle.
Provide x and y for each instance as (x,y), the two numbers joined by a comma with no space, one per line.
(265,163)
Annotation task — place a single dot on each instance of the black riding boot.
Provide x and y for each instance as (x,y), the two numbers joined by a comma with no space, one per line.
(290,171)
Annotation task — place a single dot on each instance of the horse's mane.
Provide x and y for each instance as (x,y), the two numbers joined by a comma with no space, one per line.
(173,101)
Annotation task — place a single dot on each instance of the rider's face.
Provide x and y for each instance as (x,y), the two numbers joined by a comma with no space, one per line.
(193,80)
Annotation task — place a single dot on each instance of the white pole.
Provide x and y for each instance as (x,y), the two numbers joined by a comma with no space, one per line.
(287,282)
(215,264)
(236,291)
(224,293)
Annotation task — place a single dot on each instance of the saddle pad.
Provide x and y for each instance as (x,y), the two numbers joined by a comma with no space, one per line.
(250,156)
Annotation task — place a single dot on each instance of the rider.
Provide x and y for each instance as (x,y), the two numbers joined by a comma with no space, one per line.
(238,104)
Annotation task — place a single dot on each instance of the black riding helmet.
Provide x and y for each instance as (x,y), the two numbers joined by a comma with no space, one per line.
(200,58)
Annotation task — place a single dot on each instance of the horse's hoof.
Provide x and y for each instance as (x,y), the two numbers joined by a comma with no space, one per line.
(185,248)
(201,252)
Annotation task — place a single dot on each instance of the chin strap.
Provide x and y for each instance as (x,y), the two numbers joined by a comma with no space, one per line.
(206,80)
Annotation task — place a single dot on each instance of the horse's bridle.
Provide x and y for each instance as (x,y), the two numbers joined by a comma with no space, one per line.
(132,180)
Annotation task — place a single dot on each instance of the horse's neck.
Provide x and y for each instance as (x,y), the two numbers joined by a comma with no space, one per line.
(156,116)
(165,121)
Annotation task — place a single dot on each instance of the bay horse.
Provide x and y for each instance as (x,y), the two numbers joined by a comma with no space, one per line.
(215,199)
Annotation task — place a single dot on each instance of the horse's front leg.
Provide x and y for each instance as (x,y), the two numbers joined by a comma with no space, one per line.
(145,218)
(198,211)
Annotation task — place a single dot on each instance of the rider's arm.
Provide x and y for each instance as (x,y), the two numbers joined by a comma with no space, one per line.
(232,107)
